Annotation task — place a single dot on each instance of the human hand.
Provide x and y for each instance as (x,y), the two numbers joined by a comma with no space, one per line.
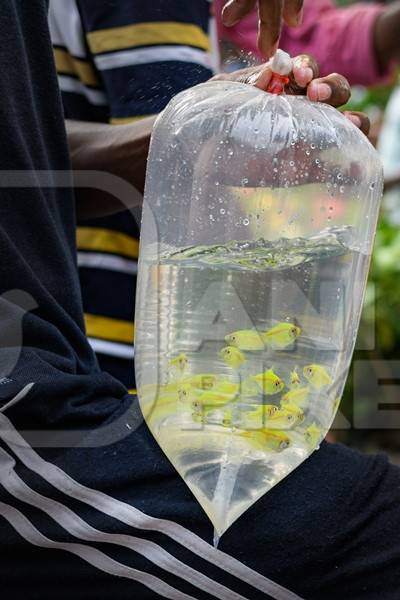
(333,89)
(272,13)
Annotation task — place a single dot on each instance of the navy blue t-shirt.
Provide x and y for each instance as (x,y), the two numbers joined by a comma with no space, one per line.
(89,506)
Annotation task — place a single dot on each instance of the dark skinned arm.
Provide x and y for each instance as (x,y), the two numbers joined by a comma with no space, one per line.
(118,150)
(117,155)
(387,35)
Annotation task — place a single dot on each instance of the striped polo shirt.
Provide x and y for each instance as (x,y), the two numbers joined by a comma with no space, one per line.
(118,62)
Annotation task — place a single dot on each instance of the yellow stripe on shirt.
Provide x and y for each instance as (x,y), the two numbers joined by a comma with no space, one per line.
(106,240)
(109,329)
(70,65)
(147,34)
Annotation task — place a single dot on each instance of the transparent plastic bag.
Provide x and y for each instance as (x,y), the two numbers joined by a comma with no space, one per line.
(258,224)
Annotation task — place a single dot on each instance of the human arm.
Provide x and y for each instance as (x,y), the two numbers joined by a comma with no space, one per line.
(119,151)
(360,41)
(122,150)
(271,15)
(387,37)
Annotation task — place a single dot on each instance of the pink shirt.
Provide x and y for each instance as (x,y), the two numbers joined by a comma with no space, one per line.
(341,39)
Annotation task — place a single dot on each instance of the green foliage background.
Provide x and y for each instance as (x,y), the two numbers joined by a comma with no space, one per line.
(381,313)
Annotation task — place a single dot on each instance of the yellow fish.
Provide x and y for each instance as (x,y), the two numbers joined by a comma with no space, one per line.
(257,416)
(272,419)
(297,396)
(281,335)
(207,398)
(269,382)
(248,339)
(216,398)
(317,375)
(186,393)
(163,407)
(295,411)
(294,379)
(209,413)
(282,419)
(201,381)
(268,439)
(313,435)
(232,356)
(179,362)
(227,387)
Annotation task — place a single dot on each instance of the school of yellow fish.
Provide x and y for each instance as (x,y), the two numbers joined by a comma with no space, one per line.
(213,399)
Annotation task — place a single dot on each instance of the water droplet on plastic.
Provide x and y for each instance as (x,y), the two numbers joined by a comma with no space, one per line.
(246,222)
(222,211)
(245,181)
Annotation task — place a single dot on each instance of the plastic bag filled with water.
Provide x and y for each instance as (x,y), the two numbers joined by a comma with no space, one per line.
(258,224)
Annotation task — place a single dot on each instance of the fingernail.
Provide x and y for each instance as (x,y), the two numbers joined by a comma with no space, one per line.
(354,119)
(274,48)
(305,74)
(228,16)
(323,92)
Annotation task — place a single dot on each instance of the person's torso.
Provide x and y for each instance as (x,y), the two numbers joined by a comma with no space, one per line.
(117,63)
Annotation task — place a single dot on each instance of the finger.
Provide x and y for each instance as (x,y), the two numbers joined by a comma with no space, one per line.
(359,119)
(333,89)
(270,13)
(293,12)
(235,10)
(305,69)
(262,78)
(256,76)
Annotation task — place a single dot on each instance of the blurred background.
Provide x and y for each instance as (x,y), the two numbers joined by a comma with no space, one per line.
(369,416)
